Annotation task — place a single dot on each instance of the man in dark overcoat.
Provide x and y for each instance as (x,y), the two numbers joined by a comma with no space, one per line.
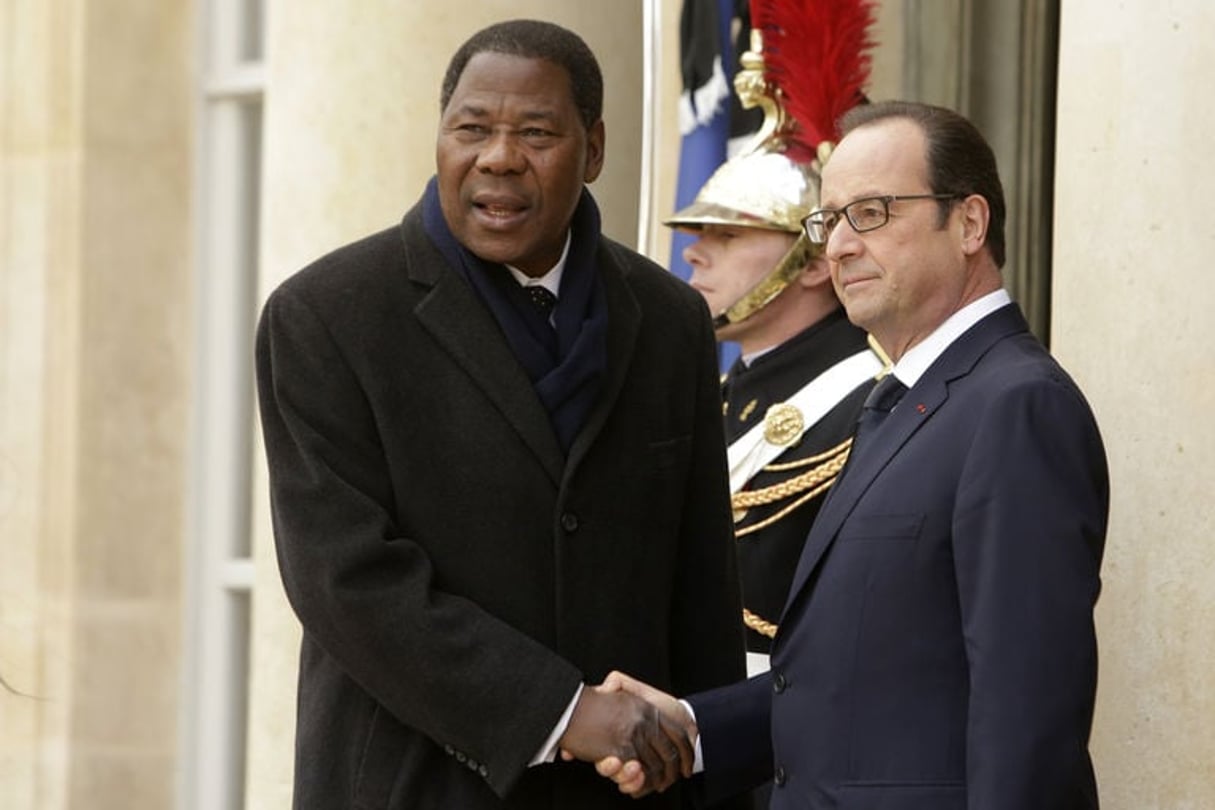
(483,498)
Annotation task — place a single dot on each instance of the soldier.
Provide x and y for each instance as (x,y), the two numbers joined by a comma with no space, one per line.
(791,400)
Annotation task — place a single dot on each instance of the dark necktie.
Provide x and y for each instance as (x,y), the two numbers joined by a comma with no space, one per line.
(542,298)
(881,400)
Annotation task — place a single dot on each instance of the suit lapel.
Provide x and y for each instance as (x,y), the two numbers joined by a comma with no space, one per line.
(915,409)
(466,329)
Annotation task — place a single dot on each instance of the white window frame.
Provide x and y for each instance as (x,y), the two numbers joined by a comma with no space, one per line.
(220,571)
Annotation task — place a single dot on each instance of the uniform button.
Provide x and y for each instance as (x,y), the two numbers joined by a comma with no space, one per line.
(473,764)
(779,683)
(569,521)
(484,771)
(461,756)
(779,777)
(450,751)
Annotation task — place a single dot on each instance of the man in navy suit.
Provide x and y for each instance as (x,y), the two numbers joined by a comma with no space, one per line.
(937,649)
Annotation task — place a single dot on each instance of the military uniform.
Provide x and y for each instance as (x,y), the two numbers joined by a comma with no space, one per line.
(791,411)
(776,506)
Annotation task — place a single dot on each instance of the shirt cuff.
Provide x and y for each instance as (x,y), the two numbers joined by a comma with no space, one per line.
(698,765)
(548,751)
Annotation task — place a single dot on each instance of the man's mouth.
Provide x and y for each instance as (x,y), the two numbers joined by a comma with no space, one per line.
(499,212)
(851,281)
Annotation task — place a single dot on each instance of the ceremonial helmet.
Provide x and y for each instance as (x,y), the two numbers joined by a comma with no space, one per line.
(807,64)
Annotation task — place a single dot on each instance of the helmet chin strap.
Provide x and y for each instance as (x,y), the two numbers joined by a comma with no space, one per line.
(771,285)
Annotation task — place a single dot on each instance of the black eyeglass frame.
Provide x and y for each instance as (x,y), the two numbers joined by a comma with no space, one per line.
(884,199)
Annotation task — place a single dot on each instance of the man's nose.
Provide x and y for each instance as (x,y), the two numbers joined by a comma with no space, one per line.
(501,154)
(843,241)
(693,255)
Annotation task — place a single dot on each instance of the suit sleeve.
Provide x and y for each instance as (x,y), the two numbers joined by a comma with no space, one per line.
(365,593)
(1029,526)
(735,738)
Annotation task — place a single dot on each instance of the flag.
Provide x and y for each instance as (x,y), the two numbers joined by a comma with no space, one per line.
(712,36)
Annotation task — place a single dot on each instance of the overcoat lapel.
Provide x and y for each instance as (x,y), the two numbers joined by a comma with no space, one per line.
(467,331)
(917,406)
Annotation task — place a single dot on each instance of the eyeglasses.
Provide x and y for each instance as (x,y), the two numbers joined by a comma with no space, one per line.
(863,215)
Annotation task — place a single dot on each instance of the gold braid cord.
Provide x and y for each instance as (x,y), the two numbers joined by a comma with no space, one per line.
(809,485)
(826,455)
(824,468)
(764,628)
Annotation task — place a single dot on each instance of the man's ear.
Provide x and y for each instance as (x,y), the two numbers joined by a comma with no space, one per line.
(817,273)
(975,217)
(596,138)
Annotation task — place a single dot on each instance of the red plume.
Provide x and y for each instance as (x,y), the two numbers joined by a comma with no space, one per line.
(816,52)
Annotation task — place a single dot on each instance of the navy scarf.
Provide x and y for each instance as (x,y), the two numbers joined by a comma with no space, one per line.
(567,364)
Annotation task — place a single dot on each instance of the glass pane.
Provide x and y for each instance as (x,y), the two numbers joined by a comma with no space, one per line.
(246,207)
(239,617)
(253,31)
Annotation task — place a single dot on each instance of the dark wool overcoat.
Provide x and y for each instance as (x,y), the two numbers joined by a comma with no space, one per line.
(455,573)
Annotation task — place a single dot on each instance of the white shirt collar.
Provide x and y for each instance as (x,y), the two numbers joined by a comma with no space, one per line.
(912,365)
(551,280)
(748,359)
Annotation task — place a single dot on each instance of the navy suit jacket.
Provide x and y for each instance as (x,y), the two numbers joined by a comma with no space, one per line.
(937,650)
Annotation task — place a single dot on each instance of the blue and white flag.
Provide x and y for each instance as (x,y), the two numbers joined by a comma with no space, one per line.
(712,36)
(707,57)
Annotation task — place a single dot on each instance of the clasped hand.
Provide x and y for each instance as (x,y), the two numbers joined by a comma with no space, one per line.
(638,736)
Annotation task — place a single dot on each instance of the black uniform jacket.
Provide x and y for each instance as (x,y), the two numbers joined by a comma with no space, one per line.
(455,574)
(771,534)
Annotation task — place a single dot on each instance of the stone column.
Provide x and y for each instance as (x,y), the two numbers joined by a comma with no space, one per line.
(94,303)
(1133,294)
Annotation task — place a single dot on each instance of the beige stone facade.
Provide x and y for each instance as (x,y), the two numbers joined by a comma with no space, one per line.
(114,339)
(1133,288)
(95,307)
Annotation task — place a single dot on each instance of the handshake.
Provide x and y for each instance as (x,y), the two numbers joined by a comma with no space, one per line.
(639,737)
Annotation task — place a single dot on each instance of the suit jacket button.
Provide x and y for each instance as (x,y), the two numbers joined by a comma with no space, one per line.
(569,522)
(779,683)
(779,777)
